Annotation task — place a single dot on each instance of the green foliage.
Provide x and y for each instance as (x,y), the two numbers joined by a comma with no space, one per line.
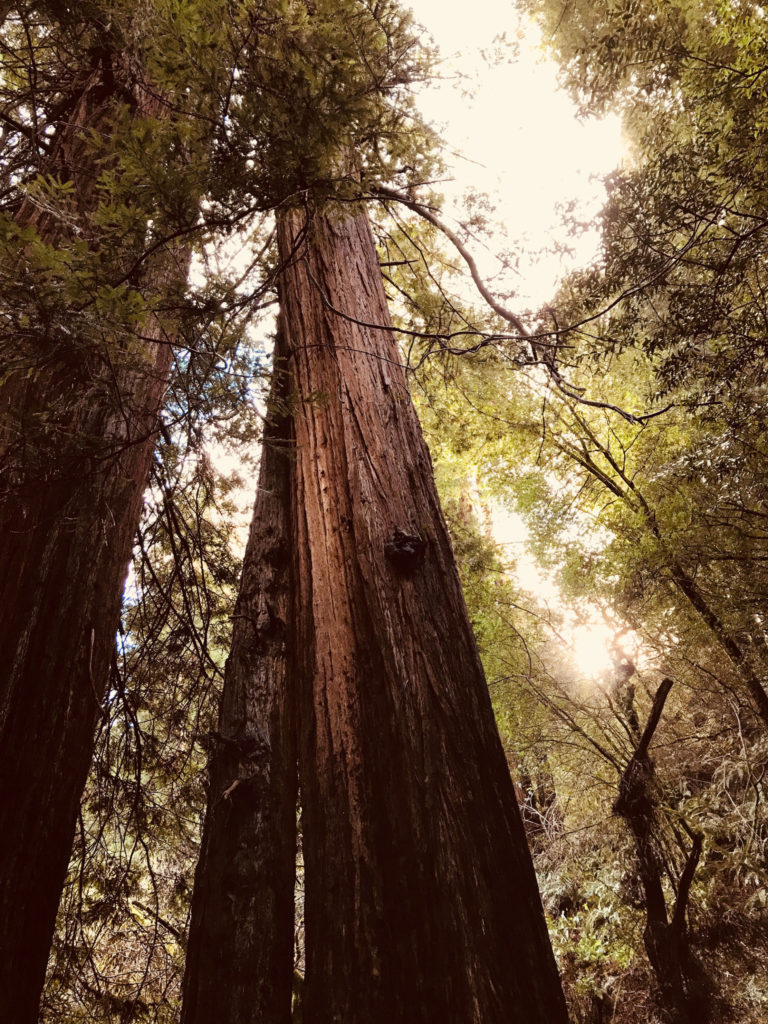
(140,136)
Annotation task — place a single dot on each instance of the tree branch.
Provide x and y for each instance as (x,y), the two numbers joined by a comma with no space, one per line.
(653,719)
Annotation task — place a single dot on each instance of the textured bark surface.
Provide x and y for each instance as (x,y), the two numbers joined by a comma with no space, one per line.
(76,440)
(421,900)
(240,954)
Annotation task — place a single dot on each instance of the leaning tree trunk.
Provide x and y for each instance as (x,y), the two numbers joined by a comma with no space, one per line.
(240,954)
(76,441)
(421,900)
(665,937)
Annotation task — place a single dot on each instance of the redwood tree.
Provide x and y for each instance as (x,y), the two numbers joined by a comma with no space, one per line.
(421,901)
(239,956)
(117,121)
(84,377)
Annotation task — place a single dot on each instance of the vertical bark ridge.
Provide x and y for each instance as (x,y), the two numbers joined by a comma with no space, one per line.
(240,953)
(421,901)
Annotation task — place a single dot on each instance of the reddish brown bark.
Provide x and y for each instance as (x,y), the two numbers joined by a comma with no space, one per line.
(76,439)
(421,900)
(240,954)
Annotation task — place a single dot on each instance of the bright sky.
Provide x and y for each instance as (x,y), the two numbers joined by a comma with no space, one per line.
(516,136)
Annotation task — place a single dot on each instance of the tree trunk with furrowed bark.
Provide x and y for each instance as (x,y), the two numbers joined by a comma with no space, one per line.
(77,428)
(421,901)
(240,954)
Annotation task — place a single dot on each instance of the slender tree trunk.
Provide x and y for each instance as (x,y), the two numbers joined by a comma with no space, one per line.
(664,937)
(76,441)
(239,959)
(537,800)
(421,900)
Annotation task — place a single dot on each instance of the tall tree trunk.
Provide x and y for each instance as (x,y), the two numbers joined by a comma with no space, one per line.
(421,900)
(76,441)
(239,960)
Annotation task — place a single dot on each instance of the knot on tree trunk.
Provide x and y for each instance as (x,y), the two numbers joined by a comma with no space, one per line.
(405,551)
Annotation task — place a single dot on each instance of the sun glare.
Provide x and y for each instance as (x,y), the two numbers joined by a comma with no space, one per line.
(594,645)
(591,649)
